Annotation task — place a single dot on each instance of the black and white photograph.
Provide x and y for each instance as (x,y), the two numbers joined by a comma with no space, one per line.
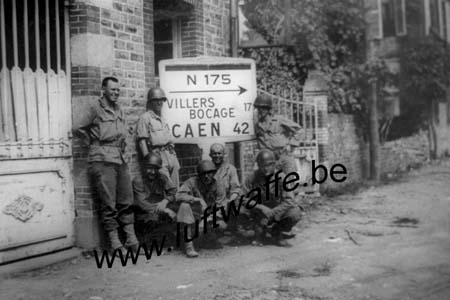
(224,149)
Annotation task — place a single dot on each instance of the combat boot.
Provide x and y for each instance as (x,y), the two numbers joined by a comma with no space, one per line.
(190,250)
(131,239)
(114,240)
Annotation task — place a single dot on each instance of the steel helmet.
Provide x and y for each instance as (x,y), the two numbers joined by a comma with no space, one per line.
(156,93)
(264,101)
(264,155)
(153,160)
(205,166)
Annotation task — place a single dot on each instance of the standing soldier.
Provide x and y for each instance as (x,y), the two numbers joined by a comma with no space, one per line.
(153,135)
(195,195)
(105,127)
(276,133)
(154,197)
(277,212)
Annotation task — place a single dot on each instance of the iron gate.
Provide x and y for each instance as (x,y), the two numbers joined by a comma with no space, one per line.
(36,191)
(290,104)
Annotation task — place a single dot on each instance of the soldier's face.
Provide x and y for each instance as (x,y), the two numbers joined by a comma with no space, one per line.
(263,112)
(111,91)
(156,105)
(151,172)
(266,166)
(207,178)
(217,156)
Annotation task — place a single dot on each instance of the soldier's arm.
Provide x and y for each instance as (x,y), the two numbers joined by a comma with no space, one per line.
(293,130)
(142,136)
(289,124)
(235,187)
(170,188)
(221,197)
(185,194)
(82,121)
(287,202)
(140,196)
(247,188)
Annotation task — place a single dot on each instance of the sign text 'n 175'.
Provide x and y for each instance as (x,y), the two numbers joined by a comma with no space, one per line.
(209,98)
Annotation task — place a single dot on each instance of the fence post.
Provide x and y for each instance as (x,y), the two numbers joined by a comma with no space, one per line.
(315,91)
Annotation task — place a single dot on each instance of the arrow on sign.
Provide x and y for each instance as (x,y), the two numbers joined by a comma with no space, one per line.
(241,90)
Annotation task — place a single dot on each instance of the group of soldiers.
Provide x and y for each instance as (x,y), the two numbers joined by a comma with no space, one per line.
(156,195)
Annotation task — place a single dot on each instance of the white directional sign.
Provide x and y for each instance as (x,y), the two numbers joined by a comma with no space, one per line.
(209,97)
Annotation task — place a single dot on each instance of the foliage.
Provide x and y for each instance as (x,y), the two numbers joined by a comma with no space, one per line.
(277,67)
(424,76)
(327,35)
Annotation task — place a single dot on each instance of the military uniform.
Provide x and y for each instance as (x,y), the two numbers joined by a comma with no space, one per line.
(107,130)
(148,193)
(274,134)
(151,224)
(226,176)
(189,210)
(157,133)
(284,209)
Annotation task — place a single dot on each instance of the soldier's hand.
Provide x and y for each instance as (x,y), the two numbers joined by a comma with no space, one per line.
(266,211)
(203,204)
(171,213)
(161,206)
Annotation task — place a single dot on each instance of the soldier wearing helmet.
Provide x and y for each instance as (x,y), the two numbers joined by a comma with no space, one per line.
(195,195)
(154,198)
(276,133)
(277,213)
(154,136)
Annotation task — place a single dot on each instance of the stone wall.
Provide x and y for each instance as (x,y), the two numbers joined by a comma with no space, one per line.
(347,146)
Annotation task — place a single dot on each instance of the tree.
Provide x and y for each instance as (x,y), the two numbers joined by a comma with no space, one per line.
(325,35)
(424,80)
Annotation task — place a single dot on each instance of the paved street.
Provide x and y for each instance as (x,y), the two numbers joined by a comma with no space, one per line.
(389,242)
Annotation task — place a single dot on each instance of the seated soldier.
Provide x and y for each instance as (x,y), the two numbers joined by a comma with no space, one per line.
(275,213)
(195,195)
(154,199)
(226,174)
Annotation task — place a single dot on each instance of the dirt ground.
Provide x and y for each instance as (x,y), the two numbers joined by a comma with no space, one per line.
(388,242)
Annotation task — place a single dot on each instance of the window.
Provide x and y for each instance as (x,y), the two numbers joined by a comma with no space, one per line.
(167,34)
(393,21)
(438,19)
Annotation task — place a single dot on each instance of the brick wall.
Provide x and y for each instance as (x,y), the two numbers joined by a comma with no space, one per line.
(206,31)
(107,39)
(115,38)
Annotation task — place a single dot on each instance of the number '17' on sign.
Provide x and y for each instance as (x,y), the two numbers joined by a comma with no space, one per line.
(209,98)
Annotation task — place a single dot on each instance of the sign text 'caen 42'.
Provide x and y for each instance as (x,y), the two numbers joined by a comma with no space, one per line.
(209,97)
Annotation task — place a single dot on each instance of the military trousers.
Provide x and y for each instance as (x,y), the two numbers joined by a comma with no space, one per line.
(113,186)
(285,222)
(170,164)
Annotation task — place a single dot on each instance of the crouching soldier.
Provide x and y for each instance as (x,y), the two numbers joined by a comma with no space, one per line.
(195,195)
(276,212)
(154,199)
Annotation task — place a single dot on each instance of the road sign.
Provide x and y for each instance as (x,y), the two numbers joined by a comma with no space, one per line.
(209,98)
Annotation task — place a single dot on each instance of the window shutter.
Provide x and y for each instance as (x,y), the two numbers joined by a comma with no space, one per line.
(415,17)
(373,17)
(400,18)
(434,17)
